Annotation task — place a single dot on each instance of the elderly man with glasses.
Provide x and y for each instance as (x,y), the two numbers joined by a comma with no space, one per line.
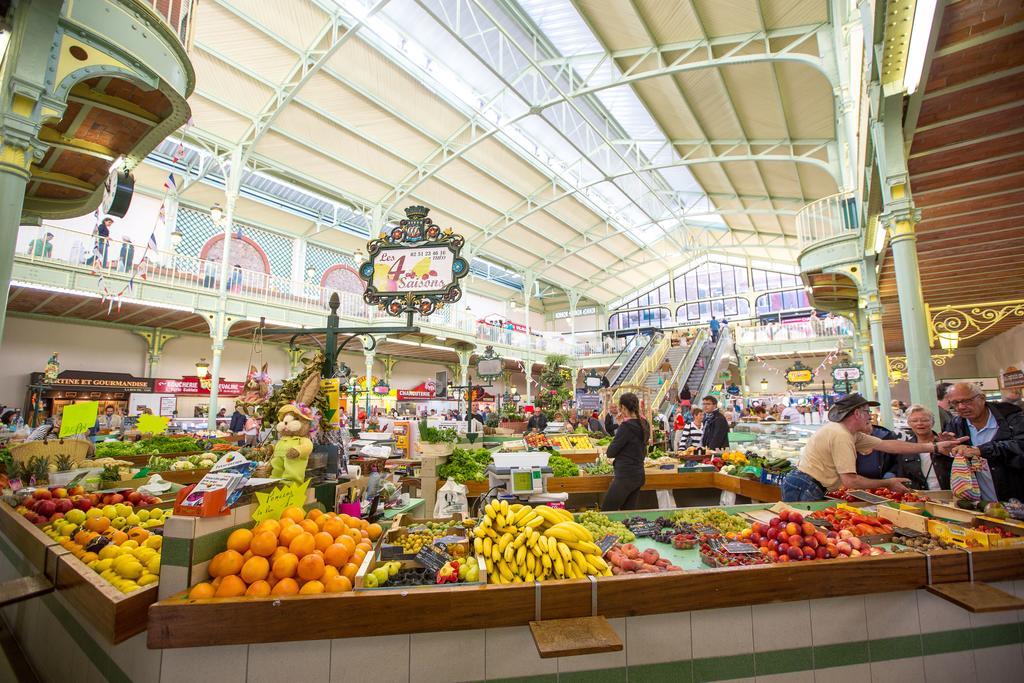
(996,433)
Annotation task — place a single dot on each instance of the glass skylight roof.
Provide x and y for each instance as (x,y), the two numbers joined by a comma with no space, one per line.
(496,81)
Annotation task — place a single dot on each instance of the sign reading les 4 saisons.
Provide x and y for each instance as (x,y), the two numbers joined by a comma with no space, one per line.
(414,267)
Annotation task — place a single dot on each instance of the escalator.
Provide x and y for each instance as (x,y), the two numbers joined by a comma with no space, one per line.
(708,358)
(628,359)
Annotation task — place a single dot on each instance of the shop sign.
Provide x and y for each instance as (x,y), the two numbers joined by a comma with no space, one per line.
(192,386)
(844,375)
(424,391)
(96,381)
(1013,378)
(414,267)
(799,375)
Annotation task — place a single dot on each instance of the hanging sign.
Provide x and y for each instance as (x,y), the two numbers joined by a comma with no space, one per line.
(844,375)
(331,390)
(414,267)
(271,505)
(799,375)
(1012,378)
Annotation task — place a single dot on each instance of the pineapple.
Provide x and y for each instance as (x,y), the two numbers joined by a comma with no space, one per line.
(39,467)
(15,470)
(64,462)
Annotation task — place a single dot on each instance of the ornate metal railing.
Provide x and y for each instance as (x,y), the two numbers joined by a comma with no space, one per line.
(826,218)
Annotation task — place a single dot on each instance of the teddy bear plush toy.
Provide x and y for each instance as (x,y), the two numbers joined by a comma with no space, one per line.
(296,421)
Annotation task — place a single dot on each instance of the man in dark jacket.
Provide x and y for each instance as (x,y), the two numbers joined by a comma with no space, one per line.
(996,432)
(716,427)
(238,419)
(538,421)
(610,421)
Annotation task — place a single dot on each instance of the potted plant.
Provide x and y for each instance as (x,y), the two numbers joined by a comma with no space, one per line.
(434,441)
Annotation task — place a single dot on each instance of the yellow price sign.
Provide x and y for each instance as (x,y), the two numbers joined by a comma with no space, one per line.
(331,389)
(78,418)
(152,424)
(270,505)
(799,376)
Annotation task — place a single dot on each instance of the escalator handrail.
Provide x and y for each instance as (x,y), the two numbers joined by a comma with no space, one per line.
(644,352)
(724,341)
(685,367)
(628,347)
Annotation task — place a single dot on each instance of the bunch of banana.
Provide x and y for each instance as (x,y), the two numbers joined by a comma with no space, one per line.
(522,544)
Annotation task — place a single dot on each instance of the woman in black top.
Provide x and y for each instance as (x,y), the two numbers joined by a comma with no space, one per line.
(627,450)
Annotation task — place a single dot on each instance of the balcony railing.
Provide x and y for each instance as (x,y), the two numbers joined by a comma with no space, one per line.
(119,261)
(826,218)
(799,330)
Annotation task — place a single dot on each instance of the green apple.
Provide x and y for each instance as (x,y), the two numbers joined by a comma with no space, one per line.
(133,520)
(143,516)
(118,522)
(109,511)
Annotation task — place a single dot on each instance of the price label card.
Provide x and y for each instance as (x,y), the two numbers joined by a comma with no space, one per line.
(607,542)
(78,418)
(822,523)
(908,533)
(868,497)
(740,548)
(644,529)
(433,558)
(271,505)
(152,424)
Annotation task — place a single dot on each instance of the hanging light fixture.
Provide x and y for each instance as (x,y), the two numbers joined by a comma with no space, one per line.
(310,273)
(176,237)
(203,373)
(216,213)
(949,341)
(764,385)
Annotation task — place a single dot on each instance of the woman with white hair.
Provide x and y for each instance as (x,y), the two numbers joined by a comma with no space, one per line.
(932,471)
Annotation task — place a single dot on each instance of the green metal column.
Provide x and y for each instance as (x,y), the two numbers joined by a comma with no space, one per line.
(916,339)
(24,95)
(863,348)
(12,196)
(884,396)
(221,326)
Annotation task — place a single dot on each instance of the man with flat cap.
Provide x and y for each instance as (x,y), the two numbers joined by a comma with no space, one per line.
(829,459)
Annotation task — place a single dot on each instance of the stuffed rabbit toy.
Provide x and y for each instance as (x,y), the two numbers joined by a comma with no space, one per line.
(296,421)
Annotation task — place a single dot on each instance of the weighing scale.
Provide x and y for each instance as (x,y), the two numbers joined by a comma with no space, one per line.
(523,476)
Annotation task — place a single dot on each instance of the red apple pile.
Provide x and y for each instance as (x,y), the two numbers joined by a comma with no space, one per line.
(45,505)
(788,538)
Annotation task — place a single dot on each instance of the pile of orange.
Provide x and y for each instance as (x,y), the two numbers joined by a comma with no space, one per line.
(300,554)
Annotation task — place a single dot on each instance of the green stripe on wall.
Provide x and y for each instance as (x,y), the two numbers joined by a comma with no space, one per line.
(175,552)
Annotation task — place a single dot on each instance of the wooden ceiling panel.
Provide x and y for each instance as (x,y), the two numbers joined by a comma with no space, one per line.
(152,101)
(967,167)
(51,191)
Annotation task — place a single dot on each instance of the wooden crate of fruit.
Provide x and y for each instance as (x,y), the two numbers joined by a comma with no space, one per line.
(113,614)
(405,541)
(370,575)
(25,536)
